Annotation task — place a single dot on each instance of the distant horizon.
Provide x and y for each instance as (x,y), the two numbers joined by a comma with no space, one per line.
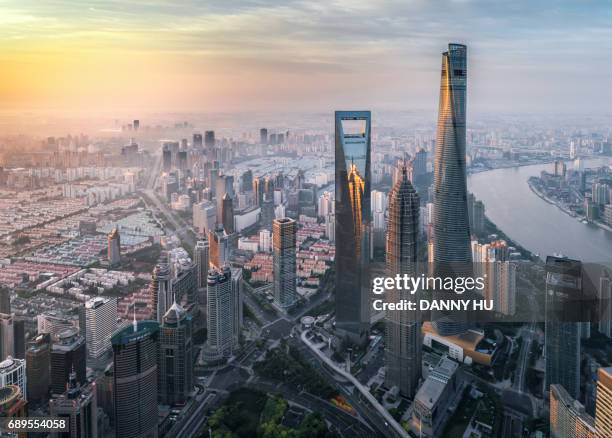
(262,56)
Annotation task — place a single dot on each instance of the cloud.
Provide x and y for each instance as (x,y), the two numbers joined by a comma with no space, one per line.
(511,43)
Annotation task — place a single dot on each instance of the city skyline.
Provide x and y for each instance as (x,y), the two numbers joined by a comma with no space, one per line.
(251,218)
(102,56)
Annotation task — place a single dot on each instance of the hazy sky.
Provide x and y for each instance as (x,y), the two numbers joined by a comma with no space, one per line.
(224,55)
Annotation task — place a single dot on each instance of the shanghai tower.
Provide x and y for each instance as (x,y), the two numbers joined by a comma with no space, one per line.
(452,256)
(352,224)
(402,328)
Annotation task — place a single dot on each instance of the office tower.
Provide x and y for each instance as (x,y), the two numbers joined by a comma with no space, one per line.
(204,216)
(220,249)
(114,248)
(197,141)
(246,181)
(353,222)
(603,409)
(5,301)
(560,168)
(227,213)
(325,204)
(181,161)
(104,392)
(478,217)
(419,164)
(263,136)
(100,324)
(402,328)
(284,255)
(265,240)
(201,256)
(19,338)
(221,312)
(568,417)
(224,186)
(562,335)
(267,212)
(13,372)
(237,296)
(37,367)
(175,364)
(12,403)
(68,352)
(604,293)
(573,152)
(135,349)
(451,231)
(161,290)
(209,139)
(491,262)
(258,189)
(7,334)
(166,157)
(136,124)
(78,405)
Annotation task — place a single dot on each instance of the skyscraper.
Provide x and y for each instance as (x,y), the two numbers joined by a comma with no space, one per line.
(209,139)
(227,213)
(175,364)
(562,336)
(604,293)
(37,367)
(79,407)
(263,136)
(161,290)
(603,409)
(201,257)
(19,337)
(7,334)
(197,140)
(284,256)
(114,248)
(568,417)
(220,248)
(135,379)
(451,230)
(267,211)
(100,324)
(221,312)
(353,223)
(402,328)
(5,301)
(68,353)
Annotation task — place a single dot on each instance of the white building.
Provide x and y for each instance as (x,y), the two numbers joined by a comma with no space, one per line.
(265,240)
(100,323)
(246,218)
(13,372)
(204,216)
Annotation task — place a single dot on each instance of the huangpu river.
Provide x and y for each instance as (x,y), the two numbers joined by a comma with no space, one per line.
(535,224)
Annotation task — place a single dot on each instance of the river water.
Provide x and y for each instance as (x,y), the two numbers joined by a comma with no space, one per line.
(535,224)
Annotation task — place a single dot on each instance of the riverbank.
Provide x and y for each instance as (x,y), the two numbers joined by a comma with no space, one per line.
(565,210)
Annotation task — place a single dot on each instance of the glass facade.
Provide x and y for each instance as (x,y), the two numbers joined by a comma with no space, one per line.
(353,222)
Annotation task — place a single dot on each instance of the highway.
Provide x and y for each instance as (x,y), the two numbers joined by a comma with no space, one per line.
(523,359)
(392,426)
